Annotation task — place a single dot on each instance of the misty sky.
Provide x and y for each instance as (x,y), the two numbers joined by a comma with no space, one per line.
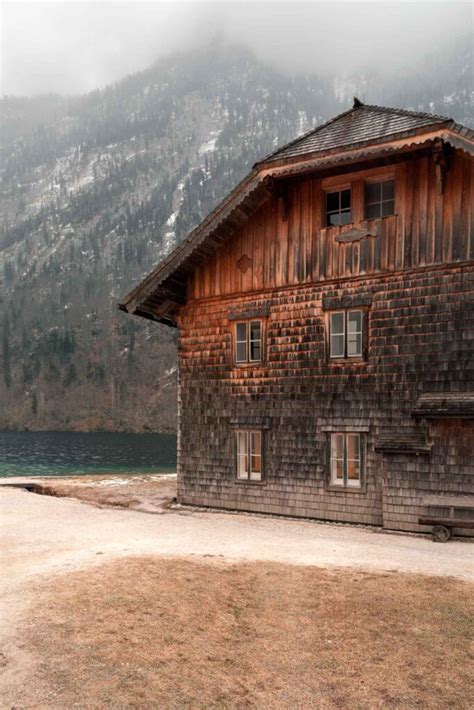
(71,47)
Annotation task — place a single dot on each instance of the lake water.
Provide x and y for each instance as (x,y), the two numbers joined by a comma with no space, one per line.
(65,453)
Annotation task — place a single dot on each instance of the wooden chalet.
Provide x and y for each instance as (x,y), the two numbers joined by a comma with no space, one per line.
(325,315)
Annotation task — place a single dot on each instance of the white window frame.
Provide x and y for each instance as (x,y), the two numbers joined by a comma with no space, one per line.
(345,333)
(345,482)
(246,455)
(249,341)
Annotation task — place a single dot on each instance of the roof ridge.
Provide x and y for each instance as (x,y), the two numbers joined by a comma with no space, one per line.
(303,136)
(359,107)
(407,112)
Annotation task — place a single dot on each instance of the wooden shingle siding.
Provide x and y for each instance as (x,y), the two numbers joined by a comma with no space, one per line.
(417,325)
(428,228)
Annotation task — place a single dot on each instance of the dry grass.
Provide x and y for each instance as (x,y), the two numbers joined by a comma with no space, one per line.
(157,633)
(148,493)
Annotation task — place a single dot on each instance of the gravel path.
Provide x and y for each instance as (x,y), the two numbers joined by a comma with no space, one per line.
(40,534)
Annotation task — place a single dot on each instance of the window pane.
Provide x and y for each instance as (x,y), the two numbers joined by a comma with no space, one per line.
(373,192)
(345,218)
(242,454)
(337,345)
(255,352)
(332,201)
(354,344)
(345,200)
(354,333)
(354,321)
(337,334)
(256,443)
(337,323)
(388,190)
(337,446)
(388,208)
(256,455)
(353,473)
(333,220)
(255,329)
(241,331)
(241,352)
(241,342)
(255,341)
(337,459)
(373,211)
(256,472)
(353,446)
(353,459)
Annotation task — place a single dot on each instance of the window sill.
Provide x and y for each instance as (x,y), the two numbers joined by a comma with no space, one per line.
(346,489)
(247,482)
(347,361)
(340,226)
(379,219)
(246,365)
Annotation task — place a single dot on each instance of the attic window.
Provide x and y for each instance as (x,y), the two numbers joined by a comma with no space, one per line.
(379,199)
(338,208)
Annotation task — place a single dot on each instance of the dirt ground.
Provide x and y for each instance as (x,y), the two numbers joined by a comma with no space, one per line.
(164,633)
(149,493)
(98,611)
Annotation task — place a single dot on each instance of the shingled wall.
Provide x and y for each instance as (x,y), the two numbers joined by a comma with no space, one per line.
(418,342)
(408,479)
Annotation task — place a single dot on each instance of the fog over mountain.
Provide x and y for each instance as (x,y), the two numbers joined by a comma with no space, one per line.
(73,47)
(96,188)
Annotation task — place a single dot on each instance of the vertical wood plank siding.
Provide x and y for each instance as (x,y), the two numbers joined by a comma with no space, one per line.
(428,228)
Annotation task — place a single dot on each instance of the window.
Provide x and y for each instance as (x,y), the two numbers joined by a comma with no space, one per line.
(346,462)
(346,334)
(248,341)
(249,455)
(338,208)
(379,199)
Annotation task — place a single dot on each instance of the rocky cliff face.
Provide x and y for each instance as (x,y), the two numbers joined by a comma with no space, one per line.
(96,189)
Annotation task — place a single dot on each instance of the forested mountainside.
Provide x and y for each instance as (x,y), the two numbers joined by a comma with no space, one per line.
(96,189)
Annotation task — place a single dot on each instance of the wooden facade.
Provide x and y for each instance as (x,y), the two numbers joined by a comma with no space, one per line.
(377,437)
(427,228)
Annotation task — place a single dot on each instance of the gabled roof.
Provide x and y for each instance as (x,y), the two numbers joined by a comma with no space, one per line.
(359,135)
(361,124)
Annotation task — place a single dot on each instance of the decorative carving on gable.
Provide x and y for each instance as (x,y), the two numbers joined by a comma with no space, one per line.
(355,235)
(244,263)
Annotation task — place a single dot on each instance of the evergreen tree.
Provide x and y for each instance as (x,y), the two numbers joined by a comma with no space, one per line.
(6,352)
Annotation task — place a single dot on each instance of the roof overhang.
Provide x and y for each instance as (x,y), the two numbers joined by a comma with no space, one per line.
(458,405)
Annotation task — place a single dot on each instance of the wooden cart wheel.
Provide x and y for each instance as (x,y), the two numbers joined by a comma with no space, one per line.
(441,533)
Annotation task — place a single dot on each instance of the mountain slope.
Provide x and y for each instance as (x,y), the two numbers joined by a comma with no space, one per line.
(96,189)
